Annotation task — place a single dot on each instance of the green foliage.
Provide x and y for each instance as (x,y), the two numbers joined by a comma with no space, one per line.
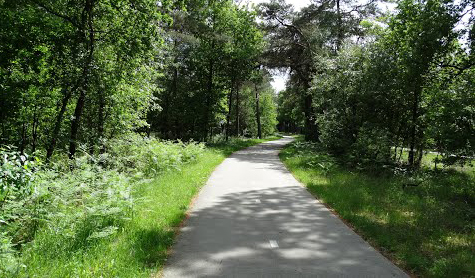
(9,264)
(79,208)
(408,86)
(15,174)
(82,79)
(149,156)
(289,115)
(248,113)
(210,52)
(71,207)
(372,148)
(268,114)
(87,218)
(451,116)
(88,65)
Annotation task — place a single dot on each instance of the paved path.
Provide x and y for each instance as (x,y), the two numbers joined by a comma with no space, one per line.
(253,219)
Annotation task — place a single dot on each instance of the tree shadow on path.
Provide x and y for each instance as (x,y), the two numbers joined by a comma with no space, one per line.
(236,237)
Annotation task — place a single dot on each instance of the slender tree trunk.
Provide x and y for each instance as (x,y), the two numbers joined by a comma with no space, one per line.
(230,105)
(57,126)
(414,126)
(258,113)
(420,154)
(311,132)
(89,5)
(209,94)
(23,137)
(34,131)
(75,123)
(100,124)
(340,27)
(397,137)
(237,112)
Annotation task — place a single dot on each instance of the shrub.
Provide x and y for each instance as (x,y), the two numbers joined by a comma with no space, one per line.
(68,206)
(15,174)
(150,156)
(372,148)
(84,205)
(335,132)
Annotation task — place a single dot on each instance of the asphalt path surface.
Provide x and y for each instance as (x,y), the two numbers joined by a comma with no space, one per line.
(254,219)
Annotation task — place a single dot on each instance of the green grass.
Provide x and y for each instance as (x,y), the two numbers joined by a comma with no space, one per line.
(140,248)
(428,230)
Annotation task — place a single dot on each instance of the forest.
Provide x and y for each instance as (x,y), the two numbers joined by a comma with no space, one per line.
(103,101)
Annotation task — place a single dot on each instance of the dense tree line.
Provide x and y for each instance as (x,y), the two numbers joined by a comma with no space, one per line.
(364,83)
(369,84)
(213,52)
(76,71)
(81,72)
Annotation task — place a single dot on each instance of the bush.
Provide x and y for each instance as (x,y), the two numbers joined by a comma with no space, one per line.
(150,156)
(68,209)
(15,174)
(372,148)
(335,133)
(84,205)
(69,206)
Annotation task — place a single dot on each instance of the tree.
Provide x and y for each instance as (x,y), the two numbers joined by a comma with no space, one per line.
(73,61)
(299,40)
(212,51)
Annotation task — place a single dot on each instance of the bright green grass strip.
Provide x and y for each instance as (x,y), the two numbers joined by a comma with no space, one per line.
(428,229)
(140,249)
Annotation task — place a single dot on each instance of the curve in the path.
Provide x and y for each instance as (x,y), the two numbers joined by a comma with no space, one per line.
(253,219)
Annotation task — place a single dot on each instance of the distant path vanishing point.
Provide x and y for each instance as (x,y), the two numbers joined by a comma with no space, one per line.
(253,219)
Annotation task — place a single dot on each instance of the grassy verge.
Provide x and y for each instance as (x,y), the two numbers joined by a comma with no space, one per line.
(140,248)
(428,229)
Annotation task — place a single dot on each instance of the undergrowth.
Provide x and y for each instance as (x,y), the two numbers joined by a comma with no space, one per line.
(110,215)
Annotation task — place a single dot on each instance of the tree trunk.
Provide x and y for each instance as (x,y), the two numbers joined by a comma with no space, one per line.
(258,114)
(34,130)
(396,141)
(208,95)
(23,137)
(87,68)
(57,125)
(237,111)
(414,126)
(340,29)
(100,124)
(75,123)
(420,154)
(230,105)
(311,131)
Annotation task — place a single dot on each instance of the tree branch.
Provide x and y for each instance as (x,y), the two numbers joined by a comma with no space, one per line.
(51,11)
